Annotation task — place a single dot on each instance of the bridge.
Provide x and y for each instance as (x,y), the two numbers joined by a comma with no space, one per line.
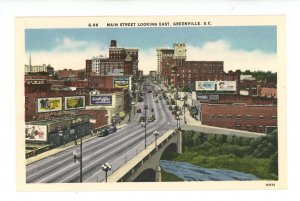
(144,167)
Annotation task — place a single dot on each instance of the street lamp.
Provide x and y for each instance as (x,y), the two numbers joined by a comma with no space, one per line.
(177,118)
(156,133)
(78,156)
(106,167)
(145,108)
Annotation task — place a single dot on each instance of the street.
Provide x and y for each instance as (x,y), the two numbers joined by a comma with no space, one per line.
(115,149)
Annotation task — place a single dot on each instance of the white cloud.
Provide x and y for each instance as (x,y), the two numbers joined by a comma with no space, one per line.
(68,44)
(147,60)
(233,59)
(68,54)
(72,54)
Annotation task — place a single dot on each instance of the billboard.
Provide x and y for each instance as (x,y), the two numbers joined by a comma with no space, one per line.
(74,102)
(36,132)
(101,100)
(208,97)
(121,82)
(226,86)
(49,104)
(205,85)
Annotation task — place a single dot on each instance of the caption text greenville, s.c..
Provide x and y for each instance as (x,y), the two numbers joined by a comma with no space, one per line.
(158,24)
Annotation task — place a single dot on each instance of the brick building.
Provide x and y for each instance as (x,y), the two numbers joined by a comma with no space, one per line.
(69,74)
(253,86)
(35,83)
(163,54)
(191,71)
(119,58)
(100,115)
(174,70)
(232,98)
(266,92)
(254,118)
(31,101)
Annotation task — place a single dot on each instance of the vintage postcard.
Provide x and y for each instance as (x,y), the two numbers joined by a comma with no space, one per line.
(150,103)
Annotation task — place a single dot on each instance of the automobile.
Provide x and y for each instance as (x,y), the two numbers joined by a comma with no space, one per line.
(151,118)
(149,91)
(174,112)
(170,107)
(160,98)
(142,119)
(155,101)
(140,99)
(103,132)
(138,110)
(112,129)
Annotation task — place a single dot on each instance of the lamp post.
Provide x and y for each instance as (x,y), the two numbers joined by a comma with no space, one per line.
(177,118)
(156,133)
(145,108)
(106,167)
(77,156)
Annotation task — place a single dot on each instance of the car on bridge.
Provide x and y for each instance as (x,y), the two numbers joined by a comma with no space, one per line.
(151,118)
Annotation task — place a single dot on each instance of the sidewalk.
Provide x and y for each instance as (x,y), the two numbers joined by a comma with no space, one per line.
(59,149)
(69,145)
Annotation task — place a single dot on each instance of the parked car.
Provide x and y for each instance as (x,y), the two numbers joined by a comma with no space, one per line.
(155,101)
(103,132)
(112,129)
(138,110)
(160,98)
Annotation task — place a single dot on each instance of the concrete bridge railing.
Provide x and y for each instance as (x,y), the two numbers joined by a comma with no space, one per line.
(145,165)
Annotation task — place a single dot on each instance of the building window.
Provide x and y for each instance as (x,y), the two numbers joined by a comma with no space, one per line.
(238,117)
(229,116)
(26,99)
(248,117)
(238,126)
(274,117)
(248,127)
(261,117)
(220,116)
(211,116)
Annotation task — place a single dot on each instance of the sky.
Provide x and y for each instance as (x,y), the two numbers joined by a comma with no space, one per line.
(240,47)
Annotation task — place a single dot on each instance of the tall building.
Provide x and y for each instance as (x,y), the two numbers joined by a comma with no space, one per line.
(175,71)
(125,59)
(162,54)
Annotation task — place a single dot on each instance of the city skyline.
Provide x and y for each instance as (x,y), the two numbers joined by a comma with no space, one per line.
(242,47)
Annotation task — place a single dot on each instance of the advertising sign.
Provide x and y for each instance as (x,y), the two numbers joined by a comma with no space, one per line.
(202,97)
(226,86)
(207,97)
(49,104)
(74,102)
(121,82)
(101,100)
(36,132)
(205,85)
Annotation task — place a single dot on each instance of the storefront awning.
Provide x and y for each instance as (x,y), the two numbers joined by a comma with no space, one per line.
(122,114)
